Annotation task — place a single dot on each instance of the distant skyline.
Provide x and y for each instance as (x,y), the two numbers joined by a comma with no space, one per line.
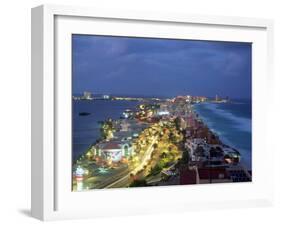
(160,67)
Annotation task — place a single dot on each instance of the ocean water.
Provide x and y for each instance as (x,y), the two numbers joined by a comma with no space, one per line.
(232,122)
(86,129)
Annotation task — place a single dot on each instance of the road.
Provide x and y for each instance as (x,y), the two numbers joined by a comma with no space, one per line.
(125,181)
(108,181)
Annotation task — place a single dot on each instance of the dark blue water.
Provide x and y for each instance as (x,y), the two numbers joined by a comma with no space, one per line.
(233,123)
(86,129)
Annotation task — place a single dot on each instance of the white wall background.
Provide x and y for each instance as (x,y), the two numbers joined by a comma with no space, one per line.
(15,111)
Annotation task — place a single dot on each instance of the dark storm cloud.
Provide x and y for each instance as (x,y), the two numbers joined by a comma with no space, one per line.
(143,66)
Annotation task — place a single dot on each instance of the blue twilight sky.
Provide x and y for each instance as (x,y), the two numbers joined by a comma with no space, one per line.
(160,67)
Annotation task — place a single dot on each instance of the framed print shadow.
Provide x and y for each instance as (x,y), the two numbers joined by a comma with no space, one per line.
(151,112)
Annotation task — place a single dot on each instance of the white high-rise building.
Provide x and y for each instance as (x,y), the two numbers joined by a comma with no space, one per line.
(87,95)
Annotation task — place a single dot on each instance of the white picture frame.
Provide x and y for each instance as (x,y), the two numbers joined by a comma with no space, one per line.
(51,154)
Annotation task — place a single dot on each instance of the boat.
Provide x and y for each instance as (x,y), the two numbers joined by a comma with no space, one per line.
(84,113)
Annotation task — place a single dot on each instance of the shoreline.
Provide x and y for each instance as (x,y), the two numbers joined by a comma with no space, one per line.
(93,128)
(92,154)
(225,139)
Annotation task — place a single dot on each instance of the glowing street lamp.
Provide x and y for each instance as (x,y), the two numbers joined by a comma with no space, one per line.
(79,176)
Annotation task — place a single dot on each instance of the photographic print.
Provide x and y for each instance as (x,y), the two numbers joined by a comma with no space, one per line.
(155,112)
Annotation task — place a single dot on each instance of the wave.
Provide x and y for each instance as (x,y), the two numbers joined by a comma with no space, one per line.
(241,123)
(227,126)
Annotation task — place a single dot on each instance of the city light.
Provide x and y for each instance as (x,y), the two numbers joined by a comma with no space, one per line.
(153,151)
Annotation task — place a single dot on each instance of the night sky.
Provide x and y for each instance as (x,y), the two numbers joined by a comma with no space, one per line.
(160,67)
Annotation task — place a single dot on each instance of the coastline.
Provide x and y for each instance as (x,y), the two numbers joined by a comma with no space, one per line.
(106,168)
(86,129)
(224,134)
